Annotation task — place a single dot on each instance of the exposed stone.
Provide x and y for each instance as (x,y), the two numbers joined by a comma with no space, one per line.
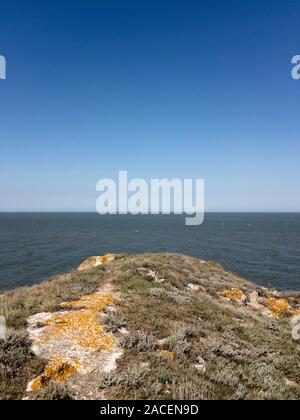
(239,320)
(257,306)
(162,341)
(258,303)
(150,275)
(193,287)
(275,294)
(278,306)
(263,301)
(267,313)
(2,328)
(273,327)
(201,365)
(294,315)
(73,340)
(270,307)
(236,295)
(145,365)
(58,369)
(110,308)
(95,261)
(291,383)
(253,296)
(270,293)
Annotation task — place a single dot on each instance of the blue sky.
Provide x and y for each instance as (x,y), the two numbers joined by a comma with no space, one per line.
(159,88)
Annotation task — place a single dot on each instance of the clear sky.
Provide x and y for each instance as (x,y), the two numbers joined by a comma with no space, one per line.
(159,88)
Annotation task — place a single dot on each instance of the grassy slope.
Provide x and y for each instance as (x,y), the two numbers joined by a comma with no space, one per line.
(246,355)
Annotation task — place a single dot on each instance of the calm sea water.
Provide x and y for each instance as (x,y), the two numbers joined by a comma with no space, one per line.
(264,248)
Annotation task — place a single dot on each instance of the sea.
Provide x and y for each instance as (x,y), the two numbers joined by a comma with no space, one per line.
(261,247)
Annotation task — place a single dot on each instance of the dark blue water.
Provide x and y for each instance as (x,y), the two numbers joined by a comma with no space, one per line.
(264,248)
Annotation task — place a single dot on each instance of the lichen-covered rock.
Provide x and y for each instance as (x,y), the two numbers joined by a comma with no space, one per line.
(253,297)
(73,340)
(278,306)
(149,275)
(201,365)
(58,369)
(294,315)
(236,295)
(193,287)
(95,261)
(167,355)
(270,307)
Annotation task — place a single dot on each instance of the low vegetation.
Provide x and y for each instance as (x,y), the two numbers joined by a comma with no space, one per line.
(18,364)
(181,338)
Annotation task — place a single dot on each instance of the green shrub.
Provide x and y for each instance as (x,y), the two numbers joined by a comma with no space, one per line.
(53,391)
(112,322)
(141,342)
(18,364)
(133,376)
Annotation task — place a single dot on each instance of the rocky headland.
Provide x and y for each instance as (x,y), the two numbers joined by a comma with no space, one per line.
(151,326)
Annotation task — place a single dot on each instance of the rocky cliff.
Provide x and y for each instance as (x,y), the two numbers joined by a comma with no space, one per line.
(161,326)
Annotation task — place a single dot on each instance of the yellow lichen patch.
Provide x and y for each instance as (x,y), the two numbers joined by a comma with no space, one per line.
(82,326)
(234,294)
(96,302)
(108,257)
(168,355)
(278,306)
(58,369)
(72,340)
(95,261)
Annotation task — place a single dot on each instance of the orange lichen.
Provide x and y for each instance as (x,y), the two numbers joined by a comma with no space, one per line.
(81,326)
(70,334)
(58,369)
(95,301)
(95,261)
(165,354)
(278,306)
(234,294)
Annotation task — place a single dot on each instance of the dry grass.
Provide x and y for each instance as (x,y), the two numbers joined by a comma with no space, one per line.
(16,306)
